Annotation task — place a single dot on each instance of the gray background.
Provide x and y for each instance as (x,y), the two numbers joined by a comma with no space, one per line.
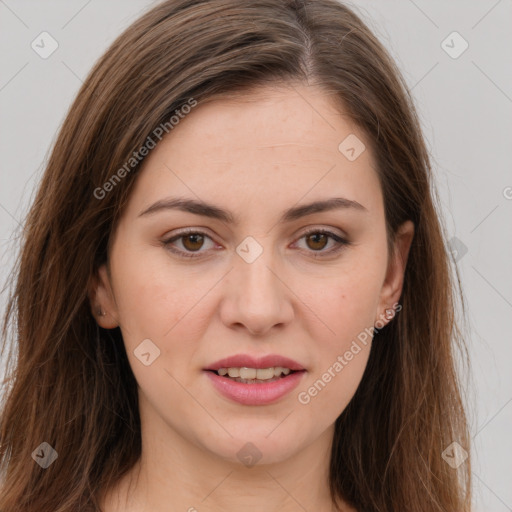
(464,104)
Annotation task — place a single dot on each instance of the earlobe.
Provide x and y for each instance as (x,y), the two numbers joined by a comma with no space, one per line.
(393,283)
(101,299)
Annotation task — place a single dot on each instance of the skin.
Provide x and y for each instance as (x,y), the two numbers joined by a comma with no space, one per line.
(261,153)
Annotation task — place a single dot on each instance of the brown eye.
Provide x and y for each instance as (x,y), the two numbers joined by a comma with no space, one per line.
(193,242)
(318,241)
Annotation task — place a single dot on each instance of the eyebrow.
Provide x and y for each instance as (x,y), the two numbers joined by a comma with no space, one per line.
(209,210)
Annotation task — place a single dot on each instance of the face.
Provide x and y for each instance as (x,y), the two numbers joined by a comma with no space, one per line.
(269,281)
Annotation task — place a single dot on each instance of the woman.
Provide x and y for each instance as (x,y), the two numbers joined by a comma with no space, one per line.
(234,290)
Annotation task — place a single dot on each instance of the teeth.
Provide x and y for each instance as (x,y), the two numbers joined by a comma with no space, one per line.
(254,373)
(266,373)
(248,373)
(234,372)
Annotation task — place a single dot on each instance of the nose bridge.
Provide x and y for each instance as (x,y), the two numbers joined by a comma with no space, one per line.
(258,285)
(256,298)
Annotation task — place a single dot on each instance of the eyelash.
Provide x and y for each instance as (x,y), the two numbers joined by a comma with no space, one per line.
(341,243)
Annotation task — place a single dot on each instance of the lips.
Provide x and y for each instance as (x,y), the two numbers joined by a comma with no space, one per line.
(247,361)
(255,392)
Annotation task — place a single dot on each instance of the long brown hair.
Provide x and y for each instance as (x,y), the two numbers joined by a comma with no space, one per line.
(69,382)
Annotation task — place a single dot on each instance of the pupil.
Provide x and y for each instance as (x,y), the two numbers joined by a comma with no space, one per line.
(197,239)
(193,237)
(318,235)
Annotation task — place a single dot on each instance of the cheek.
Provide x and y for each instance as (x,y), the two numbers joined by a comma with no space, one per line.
(342,347)
(344,304)
(164,306)
(327,393)
(151,294)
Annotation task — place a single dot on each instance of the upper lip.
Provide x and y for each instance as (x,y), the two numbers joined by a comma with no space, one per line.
(248,361)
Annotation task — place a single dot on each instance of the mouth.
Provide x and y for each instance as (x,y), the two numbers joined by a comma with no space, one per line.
(252,381)
(246,375)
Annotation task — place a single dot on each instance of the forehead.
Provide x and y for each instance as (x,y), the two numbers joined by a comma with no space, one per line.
(269,117)
(272,144)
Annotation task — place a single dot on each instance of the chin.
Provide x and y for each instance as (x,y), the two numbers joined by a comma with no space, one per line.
(250,446)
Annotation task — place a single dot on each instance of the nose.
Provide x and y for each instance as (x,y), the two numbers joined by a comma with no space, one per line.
(256,296)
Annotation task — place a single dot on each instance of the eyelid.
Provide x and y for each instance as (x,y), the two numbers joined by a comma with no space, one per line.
(341,240)
(322,229)
(166,242)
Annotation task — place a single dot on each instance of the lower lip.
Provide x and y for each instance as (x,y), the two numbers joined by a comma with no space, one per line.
(255,394)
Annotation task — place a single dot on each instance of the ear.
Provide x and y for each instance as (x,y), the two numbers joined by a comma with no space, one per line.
(394,280)
(102,300)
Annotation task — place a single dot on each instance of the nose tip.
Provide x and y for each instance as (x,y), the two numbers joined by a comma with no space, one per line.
(257,299)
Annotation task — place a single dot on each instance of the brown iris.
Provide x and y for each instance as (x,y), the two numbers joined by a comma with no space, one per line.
(194,241)
(193,238)
(315,237)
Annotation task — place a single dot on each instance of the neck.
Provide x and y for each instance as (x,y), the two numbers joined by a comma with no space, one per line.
(175,474)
